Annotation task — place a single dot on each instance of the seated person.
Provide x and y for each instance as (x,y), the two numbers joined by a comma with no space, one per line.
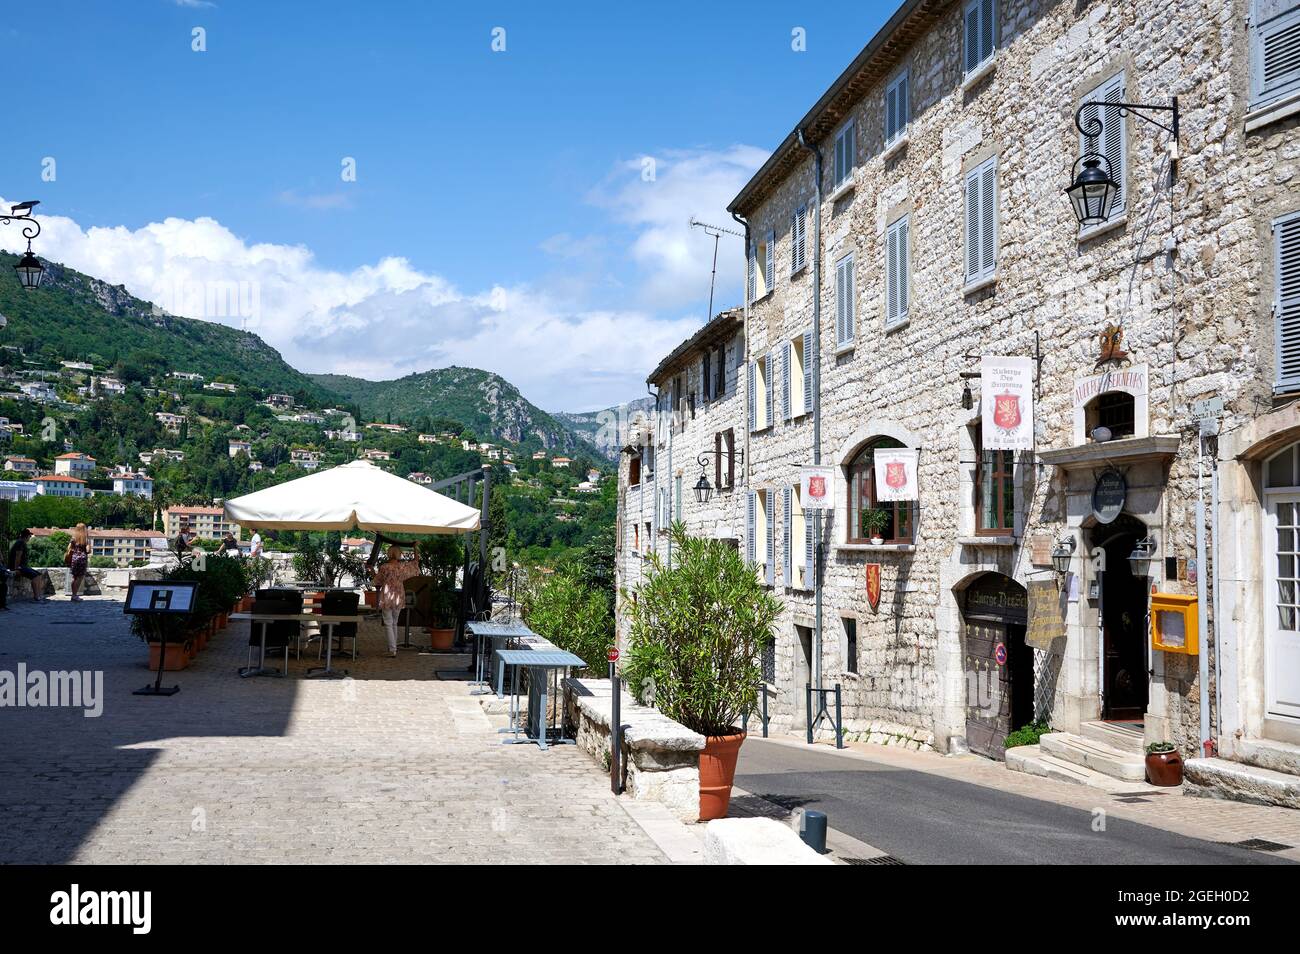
(18,564)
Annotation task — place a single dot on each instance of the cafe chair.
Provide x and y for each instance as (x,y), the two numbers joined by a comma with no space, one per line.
(340,603)
(280,635)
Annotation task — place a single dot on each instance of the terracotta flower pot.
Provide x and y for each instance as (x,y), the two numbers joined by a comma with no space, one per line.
(372,598)
(717,772)
(442,638)
(1164,768)
(176,658)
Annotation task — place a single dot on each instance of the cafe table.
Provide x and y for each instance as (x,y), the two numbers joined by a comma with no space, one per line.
(330,621)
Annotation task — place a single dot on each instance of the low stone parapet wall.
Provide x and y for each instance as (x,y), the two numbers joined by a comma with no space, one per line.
(661,757)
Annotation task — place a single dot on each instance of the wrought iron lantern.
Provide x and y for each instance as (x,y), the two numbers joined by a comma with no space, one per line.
(703,489)
(1062,554)
(1093,192)
(1140,559)
(29,268)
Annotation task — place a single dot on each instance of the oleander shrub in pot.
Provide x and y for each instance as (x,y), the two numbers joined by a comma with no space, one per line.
(698,628)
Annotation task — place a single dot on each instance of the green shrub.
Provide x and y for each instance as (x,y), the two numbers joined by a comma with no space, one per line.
(698,627)
(1155,748)
(1027,734)
(576,617)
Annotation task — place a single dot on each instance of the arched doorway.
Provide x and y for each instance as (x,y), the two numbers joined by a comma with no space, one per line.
(999,665)
(1123,603)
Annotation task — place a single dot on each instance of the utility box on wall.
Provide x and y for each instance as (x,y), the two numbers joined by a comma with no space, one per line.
(1174,623)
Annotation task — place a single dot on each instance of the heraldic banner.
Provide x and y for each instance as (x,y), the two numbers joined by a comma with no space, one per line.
(817,488)
(1007,403)
(895,474)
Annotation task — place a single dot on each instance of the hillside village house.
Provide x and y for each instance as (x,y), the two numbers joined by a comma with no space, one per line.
(15,490)
(81,366)
(188,376)
(171,422)
(20,465)
(427,439)
(235,448)
(75,464)
(129,483)
(161,454)
(375,453)
(281,402)
(1160,385)
(223,386)
(38,391)
(209,523)
(562,462)
(123,547)
(55,485)
(106,386)
(306,459)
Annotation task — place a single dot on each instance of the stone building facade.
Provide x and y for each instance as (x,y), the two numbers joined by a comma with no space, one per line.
(940,236)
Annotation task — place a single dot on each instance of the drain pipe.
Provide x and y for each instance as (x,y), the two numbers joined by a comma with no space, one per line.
(1203,661)
(817,400)
(654,484)
(745,356)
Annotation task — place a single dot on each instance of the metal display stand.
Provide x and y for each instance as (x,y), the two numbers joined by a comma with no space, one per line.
(153,599)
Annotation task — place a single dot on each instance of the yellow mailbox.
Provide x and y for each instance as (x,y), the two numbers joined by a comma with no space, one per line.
(1174,623)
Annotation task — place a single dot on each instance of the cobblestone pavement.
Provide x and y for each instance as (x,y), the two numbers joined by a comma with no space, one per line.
(392,766)
(1167,809)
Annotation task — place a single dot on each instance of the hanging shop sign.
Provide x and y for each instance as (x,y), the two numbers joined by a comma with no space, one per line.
(817,488)
(997,598)
(1007,403)
(873,586)
(895,474)
(1108,496)
(1046,619)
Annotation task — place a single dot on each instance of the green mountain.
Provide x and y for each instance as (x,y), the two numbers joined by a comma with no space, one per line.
(76,317)
(606,428)
(486,403)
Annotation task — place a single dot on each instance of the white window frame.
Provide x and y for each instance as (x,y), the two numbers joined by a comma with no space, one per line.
(845,155)
(1260,33)
(898,287)
(901,81)
(845,308)
(986,19)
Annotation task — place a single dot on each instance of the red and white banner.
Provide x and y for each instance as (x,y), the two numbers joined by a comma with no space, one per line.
(817,488)
(895,474)
(1007,403)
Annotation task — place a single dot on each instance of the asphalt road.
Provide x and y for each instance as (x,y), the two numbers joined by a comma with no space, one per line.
(926,819)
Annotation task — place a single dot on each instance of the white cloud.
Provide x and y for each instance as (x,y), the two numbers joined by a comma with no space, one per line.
(376,321)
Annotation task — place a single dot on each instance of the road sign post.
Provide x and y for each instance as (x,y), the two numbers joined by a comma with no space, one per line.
(615,722)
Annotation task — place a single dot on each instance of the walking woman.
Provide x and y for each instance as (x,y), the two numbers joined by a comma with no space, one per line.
(390,580)
(77,557)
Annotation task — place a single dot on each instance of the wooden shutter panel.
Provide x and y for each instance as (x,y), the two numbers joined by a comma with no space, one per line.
(1113,139)
(972,37)
(751,279)
(904,103)
(769,515)
(988,20)
(1276,55)
(769,278)
(769,378)
(752,393)
(903,269)
(808,358)
(891,275)
(840,298)
(809,553)
(787,531)
(972,225)
(891,113)
(989,218)
(1287,282)
(749,528)
(785,381)
(706,375)
(731,458)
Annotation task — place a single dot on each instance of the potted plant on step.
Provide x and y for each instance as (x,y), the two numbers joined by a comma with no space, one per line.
(1164,764)
(873,522)
(698,627)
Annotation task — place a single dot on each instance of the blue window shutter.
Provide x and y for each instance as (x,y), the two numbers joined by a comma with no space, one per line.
(785,381)
(850,301)
(904,269)
(786,530)
(988,34)
(769,514)
(749,382)
(972,225)
(770,278)
(749,528)
(752,278)
(989,218)
(1275,52)
(809,558)
(808,358)
(904,102)
(971,38)
(891,275)
(769,375)
(1286,281)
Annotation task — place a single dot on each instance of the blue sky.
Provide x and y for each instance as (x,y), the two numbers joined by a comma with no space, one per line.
(499,216)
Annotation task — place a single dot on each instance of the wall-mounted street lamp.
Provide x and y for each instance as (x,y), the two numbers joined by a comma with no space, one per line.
(1140,559)
(1062,555)
(29,268)
(704,489)
(1093,191)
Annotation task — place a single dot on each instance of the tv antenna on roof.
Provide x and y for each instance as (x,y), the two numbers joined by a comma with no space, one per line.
(717,231)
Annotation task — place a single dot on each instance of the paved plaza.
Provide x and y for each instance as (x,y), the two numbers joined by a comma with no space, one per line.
(390,766)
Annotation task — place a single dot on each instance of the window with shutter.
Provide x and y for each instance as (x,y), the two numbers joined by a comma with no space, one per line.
(751,278)
(844,302)
(720,386)
(785,381)
(769,263)
(980,35)
(981,221)
(1112,144)
(706,375)
(769,522)
(809,552)
(1286,241)
(749,528)
(1275,50)
(897,278)
(769,378)
(751,394)
(808,358)
(798,239)
(845,154)
(787,529)
(897,114)
(677,494)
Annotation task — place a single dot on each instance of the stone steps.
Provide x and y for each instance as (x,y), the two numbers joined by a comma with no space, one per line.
(1237,781)
(1124,736)
(1031,760)
(1097,756)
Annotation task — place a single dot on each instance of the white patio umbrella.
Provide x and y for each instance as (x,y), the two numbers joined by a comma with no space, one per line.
(355,496)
